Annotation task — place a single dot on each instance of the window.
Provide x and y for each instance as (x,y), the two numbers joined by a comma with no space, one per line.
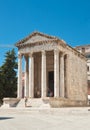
(83,50)
(87,68)
(87,55)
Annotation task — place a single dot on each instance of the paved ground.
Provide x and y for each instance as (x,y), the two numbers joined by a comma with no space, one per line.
(45,119)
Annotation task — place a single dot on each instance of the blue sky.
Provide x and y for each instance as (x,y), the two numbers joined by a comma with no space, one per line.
(66,19)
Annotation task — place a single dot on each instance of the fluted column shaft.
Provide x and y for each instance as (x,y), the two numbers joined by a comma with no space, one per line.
(19,89)
(26,90)
(31,76)
(43,74)
(56,73)
(62,75)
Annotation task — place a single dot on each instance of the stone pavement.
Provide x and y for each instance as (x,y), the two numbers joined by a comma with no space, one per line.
(45,119)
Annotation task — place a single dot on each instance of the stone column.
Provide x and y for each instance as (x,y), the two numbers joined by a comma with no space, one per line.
(56,73)
(43,74)
(31,75)
(26,90)
(67,76)
(62,75)
(19,89)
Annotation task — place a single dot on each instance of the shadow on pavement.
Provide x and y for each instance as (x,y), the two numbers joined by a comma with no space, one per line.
(5,118)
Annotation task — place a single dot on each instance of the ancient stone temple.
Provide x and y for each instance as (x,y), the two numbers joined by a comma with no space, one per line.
(53,70)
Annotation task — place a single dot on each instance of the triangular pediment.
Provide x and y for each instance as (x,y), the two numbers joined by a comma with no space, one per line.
(36,37)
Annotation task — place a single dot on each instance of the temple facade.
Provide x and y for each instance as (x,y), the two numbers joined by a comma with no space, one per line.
(53,69)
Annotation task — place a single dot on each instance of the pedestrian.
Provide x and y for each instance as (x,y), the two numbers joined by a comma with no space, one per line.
(25,101)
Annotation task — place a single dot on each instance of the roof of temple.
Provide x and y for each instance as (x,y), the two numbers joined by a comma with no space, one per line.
(37,37)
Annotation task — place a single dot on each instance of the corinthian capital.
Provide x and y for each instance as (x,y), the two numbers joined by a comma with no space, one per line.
(30,54)
(56,51)
(43,52)
(19,56)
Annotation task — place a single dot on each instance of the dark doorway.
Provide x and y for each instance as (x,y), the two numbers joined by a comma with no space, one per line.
(23,92)
(51,84)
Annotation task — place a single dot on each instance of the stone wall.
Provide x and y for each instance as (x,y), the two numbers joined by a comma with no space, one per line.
(88,72)
(63,102)
(78,76)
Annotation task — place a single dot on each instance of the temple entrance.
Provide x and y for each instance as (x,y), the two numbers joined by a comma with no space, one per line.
(50,84)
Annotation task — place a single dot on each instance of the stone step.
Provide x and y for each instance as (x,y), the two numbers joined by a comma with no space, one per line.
(31,102)
(21,103)
(10,102)
(37,102)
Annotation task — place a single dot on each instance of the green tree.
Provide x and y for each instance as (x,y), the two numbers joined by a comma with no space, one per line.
(1,86)
(8,75)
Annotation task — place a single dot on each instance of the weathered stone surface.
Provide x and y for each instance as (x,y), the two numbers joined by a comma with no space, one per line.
(70,71)
(63,102)
(85,50)
(10,102)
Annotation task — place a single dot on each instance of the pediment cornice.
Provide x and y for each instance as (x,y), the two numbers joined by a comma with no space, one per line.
(36,37)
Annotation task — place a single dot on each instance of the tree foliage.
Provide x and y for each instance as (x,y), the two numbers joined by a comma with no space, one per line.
(8,75)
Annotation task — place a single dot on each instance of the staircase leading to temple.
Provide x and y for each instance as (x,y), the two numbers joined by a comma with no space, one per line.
(21,103)
(34,102)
